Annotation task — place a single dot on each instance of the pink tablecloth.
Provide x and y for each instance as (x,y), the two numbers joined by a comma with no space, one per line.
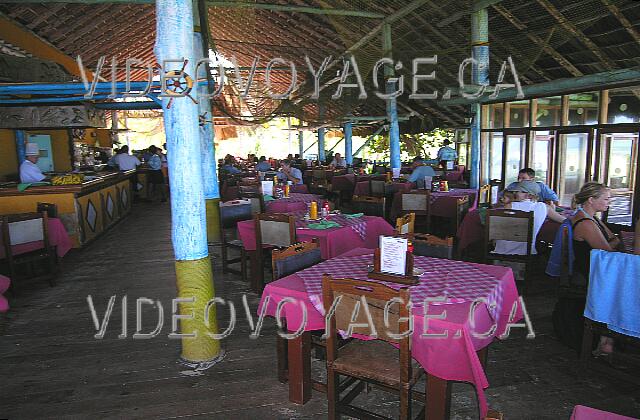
(452,356)
(295,202)
(362,233)
(580,412)
(362,187)
(4,285)
(58,237)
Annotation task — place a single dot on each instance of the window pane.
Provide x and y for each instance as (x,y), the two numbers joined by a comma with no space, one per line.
(541,146)
(496,115)
(549,112)
(519,114)
(515,146)
(495,156)
(620,177)
(573,152)
(624,107)
(583,108)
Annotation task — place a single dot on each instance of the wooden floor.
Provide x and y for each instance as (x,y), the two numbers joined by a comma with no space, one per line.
(51,366)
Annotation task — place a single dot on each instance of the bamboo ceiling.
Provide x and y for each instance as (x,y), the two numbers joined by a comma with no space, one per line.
(547,39)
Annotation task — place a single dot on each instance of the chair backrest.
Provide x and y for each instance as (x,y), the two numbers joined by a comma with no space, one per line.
(370,206)
(232,212)
(462,208)
(405,224)
(249,189)
(376,188)
(295,258)
(275,230)
(249,181)
(319,175)
(509,225)
(51,209)
(375,296)
(418,202)
(433,246)
(24,228)
(484,194)
(256,199)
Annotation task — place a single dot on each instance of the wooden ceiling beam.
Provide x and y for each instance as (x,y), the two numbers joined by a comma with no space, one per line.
(622,19)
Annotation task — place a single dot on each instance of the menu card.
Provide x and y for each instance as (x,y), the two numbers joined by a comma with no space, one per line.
(396,173)
(393,255)
(494,194)
(449,165)
(427,182)
(267,188)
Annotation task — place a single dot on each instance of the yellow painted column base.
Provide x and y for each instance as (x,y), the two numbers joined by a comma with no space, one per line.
(213,220)
(195,282)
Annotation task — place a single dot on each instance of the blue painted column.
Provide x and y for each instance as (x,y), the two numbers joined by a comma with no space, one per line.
(392,106)
(21,146)
(301,144)
(207,137)
(321,155)
(348,142)
(174,41)
(480,76)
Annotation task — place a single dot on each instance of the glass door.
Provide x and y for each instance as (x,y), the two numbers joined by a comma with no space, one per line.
(621,156)
(514,152)
(542,155)
(572,164)
(496,143)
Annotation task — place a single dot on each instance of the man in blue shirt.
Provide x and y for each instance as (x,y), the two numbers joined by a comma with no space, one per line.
(263,165)
(420,170)
(546,194)
(287,173)
(229,168)
(447,154)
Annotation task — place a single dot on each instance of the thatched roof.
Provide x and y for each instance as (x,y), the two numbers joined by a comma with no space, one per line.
(548,39)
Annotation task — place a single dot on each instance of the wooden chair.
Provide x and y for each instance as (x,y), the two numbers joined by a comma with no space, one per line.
(419,203)
(510,225)
(232,212)
(484,194)
(370,206)
(375,361)
(377,188)
(405,224)
(273,231)
(19,229)
(319,182)
(433,246)
(255,198)
(285,262)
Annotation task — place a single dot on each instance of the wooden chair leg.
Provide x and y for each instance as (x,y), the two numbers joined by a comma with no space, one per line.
(333,395)
(405,403)
(438,398)
(587,340)
(243,264)
(283,364)
(224,252)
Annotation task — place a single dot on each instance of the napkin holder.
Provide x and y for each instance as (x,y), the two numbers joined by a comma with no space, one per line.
(408,277)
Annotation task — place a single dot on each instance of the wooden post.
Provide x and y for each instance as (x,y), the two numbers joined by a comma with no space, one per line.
(301,143)
(321,155)
(174,41)
(348,142)
(480,76)
(207,133)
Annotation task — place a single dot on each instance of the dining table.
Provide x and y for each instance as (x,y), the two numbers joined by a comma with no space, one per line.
(295,202)
(458,309)
(443,203)
(58,238)
(352,231)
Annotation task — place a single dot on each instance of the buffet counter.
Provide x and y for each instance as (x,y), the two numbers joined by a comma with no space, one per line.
(86,210)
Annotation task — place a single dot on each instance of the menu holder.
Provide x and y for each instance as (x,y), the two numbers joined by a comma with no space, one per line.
(408,277)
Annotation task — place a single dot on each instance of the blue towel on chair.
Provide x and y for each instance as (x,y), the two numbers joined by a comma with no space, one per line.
(614,291)
(554,266)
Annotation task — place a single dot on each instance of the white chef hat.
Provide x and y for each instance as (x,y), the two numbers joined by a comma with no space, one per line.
(32,149)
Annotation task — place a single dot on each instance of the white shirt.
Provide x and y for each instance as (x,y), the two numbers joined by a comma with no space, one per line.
(126,162)
(520,248)
(339,163)
(29,172)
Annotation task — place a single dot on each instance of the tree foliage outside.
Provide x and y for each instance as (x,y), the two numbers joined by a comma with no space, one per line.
(423,144)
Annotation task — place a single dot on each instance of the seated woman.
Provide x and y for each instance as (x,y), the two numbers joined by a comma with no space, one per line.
(523,196)
(591,233)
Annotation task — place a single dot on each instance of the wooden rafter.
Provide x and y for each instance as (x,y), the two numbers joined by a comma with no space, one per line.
(622,19)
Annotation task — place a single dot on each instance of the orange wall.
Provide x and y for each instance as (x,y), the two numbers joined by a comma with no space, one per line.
(8,153)
(60,148)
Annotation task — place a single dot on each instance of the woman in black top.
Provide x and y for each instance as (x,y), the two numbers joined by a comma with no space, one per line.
(591,233)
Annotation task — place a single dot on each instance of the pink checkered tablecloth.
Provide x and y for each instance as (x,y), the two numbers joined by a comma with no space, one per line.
(455,281)
(58,238)
(360,232)
(295,202)
(445,347)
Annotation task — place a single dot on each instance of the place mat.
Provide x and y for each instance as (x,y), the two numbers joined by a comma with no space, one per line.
(456,281)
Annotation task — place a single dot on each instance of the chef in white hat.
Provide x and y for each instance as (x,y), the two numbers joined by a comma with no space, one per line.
(29,171)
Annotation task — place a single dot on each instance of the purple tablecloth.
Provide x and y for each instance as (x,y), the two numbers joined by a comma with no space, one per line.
(4,285)
(295,202)
(580,412)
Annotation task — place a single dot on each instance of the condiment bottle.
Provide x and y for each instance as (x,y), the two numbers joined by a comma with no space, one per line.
(444,185)
(325,209)
(286,190)
(410,246)
(313,213)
